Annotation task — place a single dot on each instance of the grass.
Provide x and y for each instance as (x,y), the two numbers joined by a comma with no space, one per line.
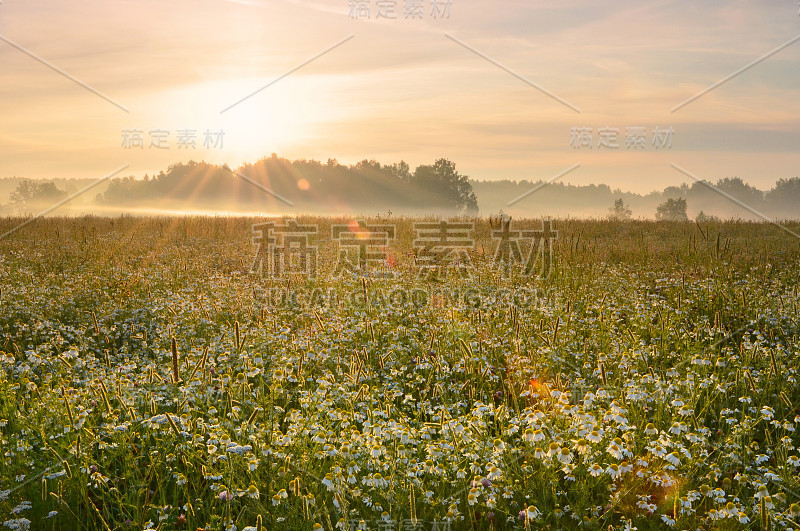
(149,381)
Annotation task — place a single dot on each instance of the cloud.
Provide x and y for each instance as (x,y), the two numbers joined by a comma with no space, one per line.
(401,89)
(615,66)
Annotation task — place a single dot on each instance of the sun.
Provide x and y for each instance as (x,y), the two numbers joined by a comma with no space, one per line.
(258,115)
(274,120)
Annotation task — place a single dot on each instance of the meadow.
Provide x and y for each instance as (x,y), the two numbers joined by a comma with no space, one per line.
(150,380)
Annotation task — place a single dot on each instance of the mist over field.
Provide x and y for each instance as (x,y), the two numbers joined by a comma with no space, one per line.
(399,265)
(273,186)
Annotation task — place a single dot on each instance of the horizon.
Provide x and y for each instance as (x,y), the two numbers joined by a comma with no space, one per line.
(614,189)
(495,90)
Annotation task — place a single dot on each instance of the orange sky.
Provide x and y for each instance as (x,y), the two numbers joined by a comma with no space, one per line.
(401,88)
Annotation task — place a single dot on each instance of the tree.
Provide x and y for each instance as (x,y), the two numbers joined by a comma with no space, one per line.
(31,195)
(737,188)
(784,199)
(620,211)
(672,210)
(399,170)
(702,217)
(442,186)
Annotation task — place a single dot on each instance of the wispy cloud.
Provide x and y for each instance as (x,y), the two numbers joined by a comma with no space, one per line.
(401,89)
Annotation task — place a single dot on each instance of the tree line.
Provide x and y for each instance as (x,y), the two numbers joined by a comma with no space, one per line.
(278,185)
(728,197)
(273,183)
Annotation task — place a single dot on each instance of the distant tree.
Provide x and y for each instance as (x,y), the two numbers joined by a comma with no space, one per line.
(123,190)
(672,210)
(784,199)
(399,170)
(31,195)
(675,192)
(619,210)
(368,165)
(444,187)
(702,217)
(736,187)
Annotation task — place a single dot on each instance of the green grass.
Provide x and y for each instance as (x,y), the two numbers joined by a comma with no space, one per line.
(400,398)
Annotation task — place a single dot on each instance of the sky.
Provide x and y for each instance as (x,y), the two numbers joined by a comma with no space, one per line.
(514,89)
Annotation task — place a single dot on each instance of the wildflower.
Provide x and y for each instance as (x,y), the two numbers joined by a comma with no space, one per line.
(595,470)
(565,456)
(553,449)
(729,510)
(24,506)
(581,447)
(237,449)
(614,471)
(379,481)
(594,437)
(472,497)
(528,435)
(280,495)
(22,524)
(532,513)
(615,451)
(252,492)
(650,429)
(768,502)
